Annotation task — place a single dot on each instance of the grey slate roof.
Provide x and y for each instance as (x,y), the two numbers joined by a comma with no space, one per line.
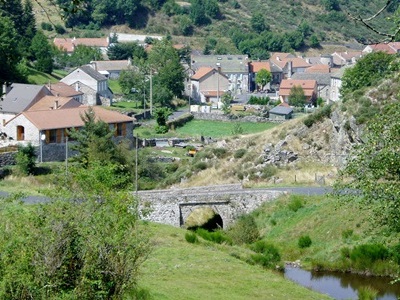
(281,110)
(321,78)
(93,73)
(21,96)
(229,63)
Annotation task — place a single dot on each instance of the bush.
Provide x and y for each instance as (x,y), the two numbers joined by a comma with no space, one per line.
(239,153)
(220,152)
(244,230)
(295,203)
(25,159)
(347,233)
(60,29)
(318,115)
(258,100)
(200,166)
(161,129)
(191,237)
(267,249)
(395,253)
(237,129)
(46,26)
(369,253)
(304,241)
(216,237)
(269,171)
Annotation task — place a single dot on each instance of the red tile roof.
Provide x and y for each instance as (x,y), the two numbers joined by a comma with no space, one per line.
(54,102)
(308,86)
(63,90)
(69,44)
(213,93)
(71,117)
(256,66)
(201,72)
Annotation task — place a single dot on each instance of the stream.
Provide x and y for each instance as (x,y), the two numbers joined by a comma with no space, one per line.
(343,285)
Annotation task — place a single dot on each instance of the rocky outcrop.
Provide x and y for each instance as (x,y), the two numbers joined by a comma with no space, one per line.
(277,155)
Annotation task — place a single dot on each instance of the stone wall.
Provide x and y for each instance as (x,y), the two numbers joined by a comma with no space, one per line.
(174,206)
(7,158)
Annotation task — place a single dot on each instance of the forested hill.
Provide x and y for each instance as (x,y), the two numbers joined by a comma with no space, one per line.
(227,26)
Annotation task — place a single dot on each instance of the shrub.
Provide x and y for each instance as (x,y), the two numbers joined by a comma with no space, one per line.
(345,252)
(244,230)
(318,115)
(219,152)
(161,129)
(46,26)
(369,253)
(267,249)
(237,129)
(347,233)
(304,241)
(59,29)
(191,237)
(25,159)
(395,253)
(200,166)
(269,171)
(216,237)
(239,153)
(295,203)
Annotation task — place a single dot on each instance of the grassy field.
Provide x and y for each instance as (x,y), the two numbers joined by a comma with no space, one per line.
(214,129)
(176,269)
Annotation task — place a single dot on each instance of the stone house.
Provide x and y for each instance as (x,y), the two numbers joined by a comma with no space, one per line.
(48,128)
(234,67)
(18,98)
(336,84)
(309,87)
(323,82)
(92,84)
(111,68)
(61,89)
(256,66)
(390,48)
(208,85)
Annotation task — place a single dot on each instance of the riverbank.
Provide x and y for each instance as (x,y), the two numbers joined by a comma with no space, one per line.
(335,228)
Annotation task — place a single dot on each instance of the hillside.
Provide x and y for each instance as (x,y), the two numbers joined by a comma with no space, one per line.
(330,24)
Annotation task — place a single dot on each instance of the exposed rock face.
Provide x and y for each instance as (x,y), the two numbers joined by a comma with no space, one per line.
(276,155)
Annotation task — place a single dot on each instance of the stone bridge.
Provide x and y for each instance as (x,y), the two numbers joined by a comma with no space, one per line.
(173,206)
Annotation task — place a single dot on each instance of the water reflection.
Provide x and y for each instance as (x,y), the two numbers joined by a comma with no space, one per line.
(343,285)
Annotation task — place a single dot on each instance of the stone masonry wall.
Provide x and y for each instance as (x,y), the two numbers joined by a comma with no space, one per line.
(7,159)
(174,206)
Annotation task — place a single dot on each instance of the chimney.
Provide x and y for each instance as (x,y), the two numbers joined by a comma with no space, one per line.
(77,86)
(55,104)
(278,58)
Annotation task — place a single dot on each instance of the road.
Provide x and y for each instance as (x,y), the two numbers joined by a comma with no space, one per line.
(293,190)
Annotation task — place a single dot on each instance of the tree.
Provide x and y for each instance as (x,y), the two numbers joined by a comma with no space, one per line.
(330,5)
(9,51)
(314,41)
(198,13)
(367,71)
(164,63)
(121,51)
(258,22)
(373,169)
(263,77)
(42,52)
(226,103)
(93,141)
(83,55)
(212,9)
(297,96)
(161,114)
(26,159)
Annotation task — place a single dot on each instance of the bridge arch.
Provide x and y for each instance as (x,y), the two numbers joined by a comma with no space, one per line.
(220,208)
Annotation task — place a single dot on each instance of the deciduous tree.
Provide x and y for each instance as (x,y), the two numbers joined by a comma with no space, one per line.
(297,96)
(263,77)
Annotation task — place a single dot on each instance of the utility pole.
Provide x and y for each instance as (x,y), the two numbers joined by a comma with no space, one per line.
(219,69)
(136,166)
(151,93)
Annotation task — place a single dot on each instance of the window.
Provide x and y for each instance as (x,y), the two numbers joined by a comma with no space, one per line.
(120,129)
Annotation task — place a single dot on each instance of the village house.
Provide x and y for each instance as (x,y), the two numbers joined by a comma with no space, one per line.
(69,44)
(92,84)
(336,84)
(281,112)
(323,82)
(309,87)
(234,67)
(111,68)
(390,48)
(18,98)
(340,59)
(208,85)
(64,90)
